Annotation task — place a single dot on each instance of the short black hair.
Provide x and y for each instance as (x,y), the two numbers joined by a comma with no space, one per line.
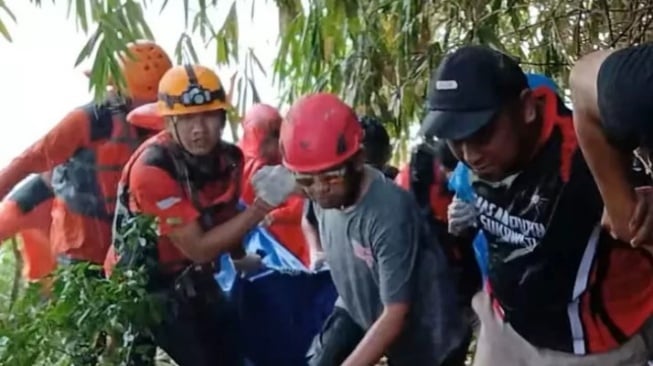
(376,141)
(446,156)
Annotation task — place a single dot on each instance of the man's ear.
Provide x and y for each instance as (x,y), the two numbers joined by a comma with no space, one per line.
(170,122)
(359,160)
(529,106)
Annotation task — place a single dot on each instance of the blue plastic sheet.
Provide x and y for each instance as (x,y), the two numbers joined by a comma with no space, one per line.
(282,306)
(460,183)
(537,80)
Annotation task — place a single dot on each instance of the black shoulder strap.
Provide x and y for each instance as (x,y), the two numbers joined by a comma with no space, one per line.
(183,175)
(421,175)
(231,155)
(101,116)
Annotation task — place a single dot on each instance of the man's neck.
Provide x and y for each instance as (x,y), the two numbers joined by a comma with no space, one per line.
(364,185)
(530,143)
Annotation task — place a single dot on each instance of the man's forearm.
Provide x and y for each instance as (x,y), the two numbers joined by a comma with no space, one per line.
(378,338)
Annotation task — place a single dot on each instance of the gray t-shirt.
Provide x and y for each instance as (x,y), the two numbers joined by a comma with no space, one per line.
(381,252)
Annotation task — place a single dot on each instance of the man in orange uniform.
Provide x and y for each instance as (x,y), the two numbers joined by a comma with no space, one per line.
(189,180)
(260,146)
(26,213)
(87,151)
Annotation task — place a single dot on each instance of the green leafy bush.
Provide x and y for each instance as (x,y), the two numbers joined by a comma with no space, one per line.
(87,318)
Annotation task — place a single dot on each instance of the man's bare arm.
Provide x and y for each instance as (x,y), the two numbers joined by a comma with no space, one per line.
(609,165)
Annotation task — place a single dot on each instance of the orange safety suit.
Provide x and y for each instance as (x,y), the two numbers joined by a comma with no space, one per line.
(26,213)
(86,152)
(151,186)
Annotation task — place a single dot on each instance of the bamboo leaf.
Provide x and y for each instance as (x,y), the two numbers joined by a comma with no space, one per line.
(256,98)
(80,5)
(257,61)
(88,48)
(163,6)
(4,32)
(191,50)
(8,11)
(179,49)
(186,13)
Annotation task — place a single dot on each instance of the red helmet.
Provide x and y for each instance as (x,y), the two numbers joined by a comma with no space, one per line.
(147,116)
(319,132)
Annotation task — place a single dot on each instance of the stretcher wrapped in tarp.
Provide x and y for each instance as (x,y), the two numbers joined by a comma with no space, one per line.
(282,306)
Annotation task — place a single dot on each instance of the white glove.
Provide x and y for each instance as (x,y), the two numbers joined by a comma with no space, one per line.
(249,263)
(273,184)
(317,258)
(462,216)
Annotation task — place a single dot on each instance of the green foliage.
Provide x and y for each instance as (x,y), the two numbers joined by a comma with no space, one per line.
(85,316)
(377,54)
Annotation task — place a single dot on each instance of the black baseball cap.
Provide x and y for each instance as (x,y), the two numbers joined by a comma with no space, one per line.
(624,89)
(468,89)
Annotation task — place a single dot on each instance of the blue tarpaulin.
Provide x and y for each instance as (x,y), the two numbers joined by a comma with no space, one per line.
(459,182)
(282,306)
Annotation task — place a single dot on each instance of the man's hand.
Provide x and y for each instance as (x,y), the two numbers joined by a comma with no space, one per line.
(606,224)
(273,184)
(461,216)
(268,220)
(641,222)
(248,263)
(318,259)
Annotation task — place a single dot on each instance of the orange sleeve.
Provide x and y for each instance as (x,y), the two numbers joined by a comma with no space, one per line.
(403,177)
(156,193)
(12,219)
(54,148)
(247,193)
(290,212)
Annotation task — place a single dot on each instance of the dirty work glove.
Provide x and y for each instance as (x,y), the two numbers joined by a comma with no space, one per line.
(462,216)
(273,184)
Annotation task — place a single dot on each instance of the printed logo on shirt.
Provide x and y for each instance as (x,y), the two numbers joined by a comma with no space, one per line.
(363,253)
(174,221)
(523,235)
(166,203)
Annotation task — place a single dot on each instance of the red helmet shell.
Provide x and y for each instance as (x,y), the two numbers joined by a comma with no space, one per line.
(320,132)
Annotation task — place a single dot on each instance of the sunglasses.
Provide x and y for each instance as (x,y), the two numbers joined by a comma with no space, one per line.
(331,177)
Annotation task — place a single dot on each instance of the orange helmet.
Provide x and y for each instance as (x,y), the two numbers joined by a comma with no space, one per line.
(319,132)
(146,116)
(144,69)
(190,89)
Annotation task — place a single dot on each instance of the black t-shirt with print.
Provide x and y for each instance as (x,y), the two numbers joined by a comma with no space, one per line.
(542,226)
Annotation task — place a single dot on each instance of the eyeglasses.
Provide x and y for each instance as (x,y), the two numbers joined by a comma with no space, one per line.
(332,177)
(195,94)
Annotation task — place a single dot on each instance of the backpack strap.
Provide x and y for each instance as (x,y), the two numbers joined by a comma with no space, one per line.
(422,176)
